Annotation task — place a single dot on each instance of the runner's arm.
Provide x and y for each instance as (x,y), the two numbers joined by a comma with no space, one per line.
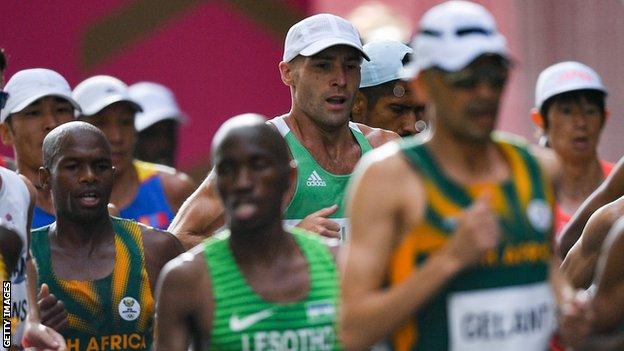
(200,215)
(609,190)
(579,264)
(607,306)
(184,305)
(177,186)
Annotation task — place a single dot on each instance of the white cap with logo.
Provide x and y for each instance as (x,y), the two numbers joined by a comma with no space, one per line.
(98,92)
(29,85)
(158,103)
(563,77)
(386,58)
(452,35)
(319,32)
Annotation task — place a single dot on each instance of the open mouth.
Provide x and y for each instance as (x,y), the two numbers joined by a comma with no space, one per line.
(89,198)
(580,142)
(336,102)
(245,210)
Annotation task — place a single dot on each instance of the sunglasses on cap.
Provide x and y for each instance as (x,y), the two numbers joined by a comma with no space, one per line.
(4,96)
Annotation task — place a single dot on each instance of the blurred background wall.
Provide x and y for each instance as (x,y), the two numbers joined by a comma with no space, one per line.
(220,56)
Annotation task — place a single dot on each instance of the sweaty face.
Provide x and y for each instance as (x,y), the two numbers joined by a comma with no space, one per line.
(467,102)
(325,84)
(250,181)
(27,128)
(158,142)
(574,128)
(117,123)
(81,178)
(397,112)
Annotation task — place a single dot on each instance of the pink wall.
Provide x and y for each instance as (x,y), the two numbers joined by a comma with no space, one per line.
(219,57)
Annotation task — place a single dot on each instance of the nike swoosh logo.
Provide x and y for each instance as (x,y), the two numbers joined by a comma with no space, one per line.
(241,323)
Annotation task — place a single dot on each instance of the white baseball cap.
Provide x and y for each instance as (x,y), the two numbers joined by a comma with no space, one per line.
(319,32)
(452,35)
(158,103)
(29,85)
(98,92)
(563,77)
(386,58)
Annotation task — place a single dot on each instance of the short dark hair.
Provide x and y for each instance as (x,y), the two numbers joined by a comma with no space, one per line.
(595,97)
(376,92)
(53,142)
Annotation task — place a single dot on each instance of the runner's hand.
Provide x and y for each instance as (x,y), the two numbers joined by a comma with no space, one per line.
(318,222)
(574,325)
(41,338)
(53,312)
(477,232)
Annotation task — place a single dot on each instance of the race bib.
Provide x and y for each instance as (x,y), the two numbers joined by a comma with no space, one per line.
(342,222)
(512,319)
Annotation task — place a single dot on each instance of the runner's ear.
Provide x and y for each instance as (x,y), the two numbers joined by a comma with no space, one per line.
(537,118)
(359,110)
(286,73)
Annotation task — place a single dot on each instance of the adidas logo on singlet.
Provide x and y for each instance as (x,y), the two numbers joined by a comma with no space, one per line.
(315,180)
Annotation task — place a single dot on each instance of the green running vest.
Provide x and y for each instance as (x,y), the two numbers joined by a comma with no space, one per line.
(245,321)
(112,313)
(503,303)
(317,188)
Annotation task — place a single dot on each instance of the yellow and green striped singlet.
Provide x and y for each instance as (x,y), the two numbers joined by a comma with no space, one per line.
(467,314)
(112,313)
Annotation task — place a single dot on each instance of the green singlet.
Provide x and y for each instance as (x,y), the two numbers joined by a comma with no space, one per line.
(243,320)
(316,188)
(502,303)
(112,313)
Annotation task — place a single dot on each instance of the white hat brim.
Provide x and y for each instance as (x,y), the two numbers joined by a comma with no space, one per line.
(55,93)
(321,45)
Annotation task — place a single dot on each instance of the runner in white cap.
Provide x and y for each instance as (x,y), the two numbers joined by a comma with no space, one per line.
(321,65)
(148,193)
(384,100)
(450,245)
(39,100)
(157,125)
(570,113)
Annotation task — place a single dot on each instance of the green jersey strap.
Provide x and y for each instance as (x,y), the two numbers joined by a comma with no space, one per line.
(316,188)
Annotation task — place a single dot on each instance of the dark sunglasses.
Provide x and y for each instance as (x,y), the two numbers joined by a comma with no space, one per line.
(467,80)
(4,96)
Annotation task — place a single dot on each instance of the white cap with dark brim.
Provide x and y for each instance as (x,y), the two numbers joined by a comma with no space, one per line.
(452,35)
